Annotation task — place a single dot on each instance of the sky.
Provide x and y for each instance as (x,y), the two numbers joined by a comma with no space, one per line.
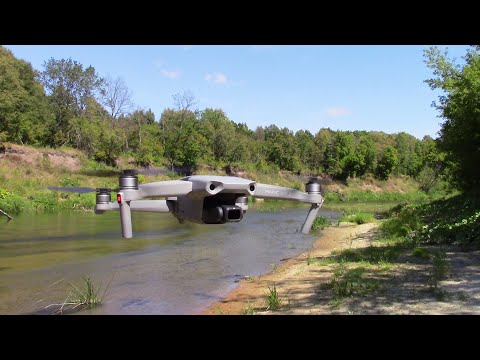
(347,87)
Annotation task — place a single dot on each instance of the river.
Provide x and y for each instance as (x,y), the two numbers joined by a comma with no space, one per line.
(167,268)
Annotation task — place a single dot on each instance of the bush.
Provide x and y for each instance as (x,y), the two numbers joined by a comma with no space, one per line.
(320,222)
(358,218)
(13,204)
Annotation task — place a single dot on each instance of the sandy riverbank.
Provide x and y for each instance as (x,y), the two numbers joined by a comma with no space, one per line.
(403,290)
(293,275)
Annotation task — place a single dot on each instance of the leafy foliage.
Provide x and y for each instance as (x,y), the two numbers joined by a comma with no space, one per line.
(455,220)
(459,105)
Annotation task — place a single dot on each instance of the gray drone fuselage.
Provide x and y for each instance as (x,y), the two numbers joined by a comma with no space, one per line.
(200,199)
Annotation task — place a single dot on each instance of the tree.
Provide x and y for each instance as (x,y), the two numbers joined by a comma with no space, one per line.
(305,148)
(405,146)
(69,87)
(184,143)
(150,151)
(459,105)
(388,163)
(116,97)
(280,148)
(219,132)
(322,141)
(185,101)
(25,113)
(339,155)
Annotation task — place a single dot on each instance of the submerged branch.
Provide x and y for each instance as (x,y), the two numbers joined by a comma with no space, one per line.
(4,213)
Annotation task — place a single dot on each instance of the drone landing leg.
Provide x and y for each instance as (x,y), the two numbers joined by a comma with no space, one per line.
(312,214)
(126,219)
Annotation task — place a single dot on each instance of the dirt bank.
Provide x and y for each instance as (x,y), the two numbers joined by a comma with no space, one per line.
(293,275)
(69,160)
(403,289)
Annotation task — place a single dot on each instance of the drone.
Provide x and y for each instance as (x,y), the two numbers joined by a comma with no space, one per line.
(202,199)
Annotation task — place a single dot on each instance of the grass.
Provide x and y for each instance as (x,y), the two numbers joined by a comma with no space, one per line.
(452,220)
(249,309)
(421,253)
(320,223)
(310,259)
(85,296)
(358,218)
(440,269)
(273,299)
(88,295)
(349,282)
(373,254)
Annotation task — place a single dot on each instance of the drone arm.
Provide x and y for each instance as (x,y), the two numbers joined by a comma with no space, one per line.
(278,192)
(136,205)
(282,193)
(161,189)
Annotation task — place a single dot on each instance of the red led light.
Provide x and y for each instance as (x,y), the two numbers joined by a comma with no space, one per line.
(119,198)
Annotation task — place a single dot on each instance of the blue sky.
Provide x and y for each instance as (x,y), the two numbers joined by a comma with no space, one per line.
(300,87)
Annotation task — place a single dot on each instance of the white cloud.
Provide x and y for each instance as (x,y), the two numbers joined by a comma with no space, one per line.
(338,111)
(174,74)
(216,78)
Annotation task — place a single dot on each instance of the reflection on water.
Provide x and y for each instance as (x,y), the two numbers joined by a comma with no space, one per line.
(167,268)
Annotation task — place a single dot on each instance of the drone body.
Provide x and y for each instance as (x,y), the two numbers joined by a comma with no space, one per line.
(200,198)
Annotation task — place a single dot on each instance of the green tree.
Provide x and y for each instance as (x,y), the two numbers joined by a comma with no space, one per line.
(150,151)
(184,143)
(24,110)
(281,149)
(322,142)
(69,87)
(220,134)
(388,163)
(405,146)
(306,149)
(459,105)
(340,155)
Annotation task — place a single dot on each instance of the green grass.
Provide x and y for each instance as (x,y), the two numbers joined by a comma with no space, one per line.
(363,196)
(249,309)
(452,220)
(358,218)
(84,296)
(373,254)
(87,294)
(326,261)
(320,223)
(440,269)
(349,282)
(421,253)
(310,259)
(272,299)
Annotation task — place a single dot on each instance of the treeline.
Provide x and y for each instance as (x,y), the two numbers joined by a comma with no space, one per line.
(67,104)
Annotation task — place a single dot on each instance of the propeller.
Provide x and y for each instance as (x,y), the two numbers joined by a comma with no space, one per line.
(77,190)
(85,190)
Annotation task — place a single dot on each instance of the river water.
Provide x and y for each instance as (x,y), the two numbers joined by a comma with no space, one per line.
(167,268)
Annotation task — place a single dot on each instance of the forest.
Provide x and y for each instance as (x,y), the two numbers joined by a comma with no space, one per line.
(68,104)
